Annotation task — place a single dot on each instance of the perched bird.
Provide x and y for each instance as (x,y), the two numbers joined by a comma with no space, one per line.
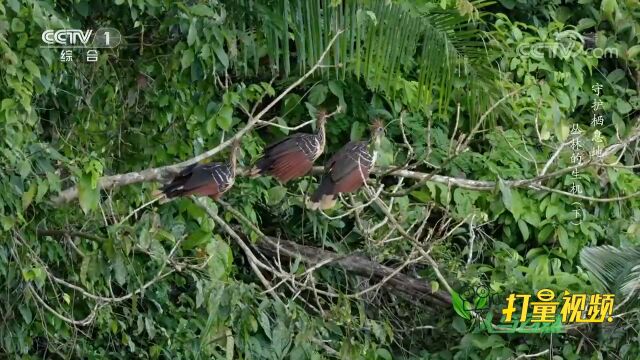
(212,179)
(293,156)
(347,170)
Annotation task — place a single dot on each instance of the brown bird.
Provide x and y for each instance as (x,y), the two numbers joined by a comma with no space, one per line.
(293,156)
(212,179)
(347,170)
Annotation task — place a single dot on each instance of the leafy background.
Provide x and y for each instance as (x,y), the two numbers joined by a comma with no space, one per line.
(177,86)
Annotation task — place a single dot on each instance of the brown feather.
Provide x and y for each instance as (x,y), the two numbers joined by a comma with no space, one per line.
(290,166)
(209,189)
(352,181)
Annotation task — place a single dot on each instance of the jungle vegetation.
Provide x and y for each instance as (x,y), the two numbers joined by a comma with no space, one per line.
(476,183)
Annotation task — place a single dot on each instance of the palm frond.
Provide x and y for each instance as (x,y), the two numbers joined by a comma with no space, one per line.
(382,43)
(616,269)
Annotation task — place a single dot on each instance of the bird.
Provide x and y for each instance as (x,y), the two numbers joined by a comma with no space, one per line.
(293,156)
(347,170)
(210,179)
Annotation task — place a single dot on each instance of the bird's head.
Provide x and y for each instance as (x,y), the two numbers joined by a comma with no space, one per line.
(377,131)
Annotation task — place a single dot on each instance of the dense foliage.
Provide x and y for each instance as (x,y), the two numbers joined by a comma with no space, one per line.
(463,97)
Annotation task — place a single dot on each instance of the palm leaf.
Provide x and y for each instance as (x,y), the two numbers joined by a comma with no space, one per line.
(388,45)
(616,269)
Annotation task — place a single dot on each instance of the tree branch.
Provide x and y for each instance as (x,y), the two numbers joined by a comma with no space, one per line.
(408,287)
(403,285)
(155,174)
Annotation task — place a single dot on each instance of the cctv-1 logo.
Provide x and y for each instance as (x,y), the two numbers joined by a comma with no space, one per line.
(71,38)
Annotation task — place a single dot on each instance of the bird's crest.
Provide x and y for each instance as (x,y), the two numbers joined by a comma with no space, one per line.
(377,126)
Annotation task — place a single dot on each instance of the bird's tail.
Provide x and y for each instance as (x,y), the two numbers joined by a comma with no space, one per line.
(260,167)
(324,197)
(161,196)
(170,191)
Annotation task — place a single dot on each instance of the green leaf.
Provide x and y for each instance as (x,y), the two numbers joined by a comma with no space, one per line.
(384,354)
(28,195)
(318,94)
(570,246)
(211,125)
(265,324)
(524,229)
(616,75)
(585,23)
(507,197)
(196,239)
(25,312)
(222,56)
(459,307)
(544,234)
(32,67)
(148,325)
(119,269)
(480,302)
(82,8)
(225,117)
(608,6)
(193,34)
(336,89)
(622,106)
(87,196)
(357,131)
(512,200)
(14,5)
(202,10)
(221,259)
(632,52)
(17,25)
(484,342)
(187,59)
(276,194)
(43,186)
(421,196)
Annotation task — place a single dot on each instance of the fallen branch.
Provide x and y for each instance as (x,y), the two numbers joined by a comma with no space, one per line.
(410,288)
(403,285)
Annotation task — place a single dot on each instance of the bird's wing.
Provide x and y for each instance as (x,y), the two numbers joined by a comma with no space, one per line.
(288,144)
(206,174)
(346,160)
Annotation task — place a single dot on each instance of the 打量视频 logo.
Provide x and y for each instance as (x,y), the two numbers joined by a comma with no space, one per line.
(520,313)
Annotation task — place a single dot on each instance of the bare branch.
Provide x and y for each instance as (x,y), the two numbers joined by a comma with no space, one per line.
(84,322)
(253,261)
(529,356)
